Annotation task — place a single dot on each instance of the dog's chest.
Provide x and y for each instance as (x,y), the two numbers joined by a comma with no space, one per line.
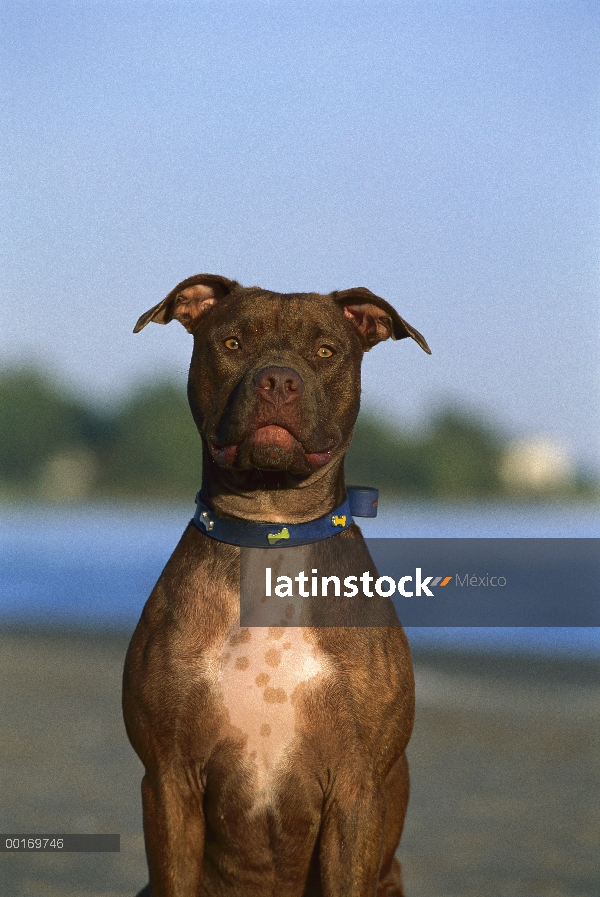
(263,675)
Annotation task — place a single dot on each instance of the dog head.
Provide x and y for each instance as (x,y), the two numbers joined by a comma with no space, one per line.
(274,381)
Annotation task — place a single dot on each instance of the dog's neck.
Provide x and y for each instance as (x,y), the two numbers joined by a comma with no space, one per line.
(273,497)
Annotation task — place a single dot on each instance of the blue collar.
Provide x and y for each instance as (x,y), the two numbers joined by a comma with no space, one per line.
(360,501)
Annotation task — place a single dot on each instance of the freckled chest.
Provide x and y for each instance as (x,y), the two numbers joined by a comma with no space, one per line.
(261,673)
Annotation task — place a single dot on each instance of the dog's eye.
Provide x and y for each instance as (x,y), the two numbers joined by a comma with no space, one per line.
(324,352)
(232,343)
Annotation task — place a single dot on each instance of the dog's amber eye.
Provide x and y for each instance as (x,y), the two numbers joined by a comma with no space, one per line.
(232,343)
(324,352)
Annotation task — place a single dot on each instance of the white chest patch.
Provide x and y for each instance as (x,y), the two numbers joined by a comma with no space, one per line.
(259,672)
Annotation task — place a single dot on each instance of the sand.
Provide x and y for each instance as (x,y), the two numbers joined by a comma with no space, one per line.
(505,772)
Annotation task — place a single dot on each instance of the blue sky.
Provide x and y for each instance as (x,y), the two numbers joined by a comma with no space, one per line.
(445,155)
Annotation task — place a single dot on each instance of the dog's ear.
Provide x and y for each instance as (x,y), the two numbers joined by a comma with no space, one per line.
(188,301)
(375,319)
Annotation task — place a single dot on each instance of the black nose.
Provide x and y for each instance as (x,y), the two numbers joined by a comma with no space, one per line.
(279,385)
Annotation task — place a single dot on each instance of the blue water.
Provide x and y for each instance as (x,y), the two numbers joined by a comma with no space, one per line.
(96,566)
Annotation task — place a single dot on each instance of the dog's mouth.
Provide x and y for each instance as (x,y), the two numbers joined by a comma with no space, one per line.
(270,448)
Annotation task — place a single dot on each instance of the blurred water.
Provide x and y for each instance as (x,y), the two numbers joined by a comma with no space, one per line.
(96,566)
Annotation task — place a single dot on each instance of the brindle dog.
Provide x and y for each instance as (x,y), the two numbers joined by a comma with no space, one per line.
(274,757)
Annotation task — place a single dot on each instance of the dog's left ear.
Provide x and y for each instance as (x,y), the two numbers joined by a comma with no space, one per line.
(375,319)
(188,301)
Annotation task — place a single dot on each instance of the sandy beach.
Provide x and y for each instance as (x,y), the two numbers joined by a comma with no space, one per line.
(505,772)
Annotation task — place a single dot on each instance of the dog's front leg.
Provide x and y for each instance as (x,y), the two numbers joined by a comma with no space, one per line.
(174,834)
(352,837)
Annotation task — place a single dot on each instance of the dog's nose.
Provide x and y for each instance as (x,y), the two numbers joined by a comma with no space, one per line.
(279,385)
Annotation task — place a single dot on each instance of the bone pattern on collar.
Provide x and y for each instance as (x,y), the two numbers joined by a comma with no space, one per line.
(359,501)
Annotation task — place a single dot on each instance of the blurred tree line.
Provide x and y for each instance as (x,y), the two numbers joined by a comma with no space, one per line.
(54,446)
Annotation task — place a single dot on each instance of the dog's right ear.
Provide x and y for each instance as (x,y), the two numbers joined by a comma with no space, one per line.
(188,301)
(375,319)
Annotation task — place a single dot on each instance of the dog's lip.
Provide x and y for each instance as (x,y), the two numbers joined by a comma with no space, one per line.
(318,459)
(271,434)
(225,454)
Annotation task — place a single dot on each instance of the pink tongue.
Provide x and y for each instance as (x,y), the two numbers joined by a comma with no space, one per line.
(273,435)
